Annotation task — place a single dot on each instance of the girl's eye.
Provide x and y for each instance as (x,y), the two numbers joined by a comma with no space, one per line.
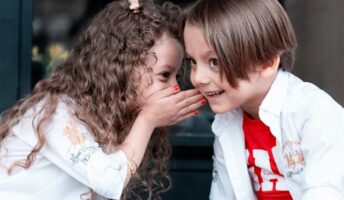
(165,75)
(214,63)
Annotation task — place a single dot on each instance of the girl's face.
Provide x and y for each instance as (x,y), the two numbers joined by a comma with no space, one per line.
(205,76)
(164,59)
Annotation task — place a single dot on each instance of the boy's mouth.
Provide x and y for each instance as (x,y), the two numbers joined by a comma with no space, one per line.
(214,93)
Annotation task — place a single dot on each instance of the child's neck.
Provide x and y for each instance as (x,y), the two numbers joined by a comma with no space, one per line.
(251,115)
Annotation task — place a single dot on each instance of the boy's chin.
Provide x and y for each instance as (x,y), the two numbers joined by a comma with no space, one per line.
(220,109)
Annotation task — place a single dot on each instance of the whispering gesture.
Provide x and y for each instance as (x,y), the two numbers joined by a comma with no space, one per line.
(170,106)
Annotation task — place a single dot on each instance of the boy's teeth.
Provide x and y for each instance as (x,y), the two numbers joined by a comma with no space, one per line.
(214,93)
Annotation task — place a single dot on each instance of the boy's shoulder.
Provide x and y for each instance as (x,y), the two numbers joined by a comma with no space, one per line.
(308,109)
(307,97)
(299,91)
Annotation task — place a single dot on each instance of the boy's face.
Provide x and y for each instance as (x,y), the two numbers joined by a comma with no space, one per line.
(205,76)
(164,59)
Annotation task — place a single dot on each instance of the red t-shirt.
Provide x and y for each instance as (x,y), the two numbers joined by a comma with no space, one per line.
(269,183)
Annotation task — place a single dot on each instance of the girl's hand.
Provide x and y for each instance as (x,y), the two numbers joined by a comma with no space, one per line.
(170,106)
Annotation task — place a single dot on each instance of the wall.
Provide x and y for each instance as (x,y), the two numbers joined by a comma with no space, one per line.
(319,27)
(15,50)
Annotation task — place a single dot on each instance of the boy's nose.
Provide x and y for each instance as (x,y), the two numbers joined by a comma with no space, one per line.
(199,77)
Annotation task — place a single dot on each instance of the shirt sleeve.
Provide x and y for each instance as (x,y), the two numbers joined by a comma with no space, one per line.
(71,147)
(322,143)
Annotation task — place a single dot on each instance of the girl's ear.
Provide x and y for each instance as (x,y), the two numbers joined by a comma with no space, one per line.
(269,68)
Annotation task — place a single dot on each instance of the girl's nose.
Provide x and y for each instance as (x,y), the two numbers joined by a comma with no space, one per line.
(173,82)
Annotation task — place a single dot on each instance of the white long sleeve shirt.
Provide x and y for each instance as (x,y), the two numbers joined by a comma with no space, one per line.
(68,166)
(303,119)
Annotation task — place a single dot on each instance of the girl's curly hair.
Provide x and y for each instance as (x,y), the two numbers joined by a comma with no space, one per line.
(99,77)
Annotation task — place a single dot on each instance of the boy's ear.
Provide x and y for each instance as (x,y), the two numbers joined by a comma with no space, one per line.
(271,66)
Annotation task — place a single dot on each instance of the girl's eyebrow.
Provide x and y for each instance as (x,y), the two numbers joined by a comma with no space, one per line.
(170,67)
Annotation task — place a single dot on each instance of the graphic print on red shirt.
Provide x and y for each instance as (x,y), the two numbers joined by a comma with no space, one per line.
(269,183)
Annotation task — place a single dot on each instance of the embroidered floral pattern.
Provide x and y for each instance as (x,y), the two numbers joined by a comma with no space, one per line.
(74,135)
(81,149)
(83,155)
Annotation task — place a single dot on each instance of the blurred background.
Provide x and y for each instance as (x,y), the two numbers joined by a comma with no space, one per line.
(36,35)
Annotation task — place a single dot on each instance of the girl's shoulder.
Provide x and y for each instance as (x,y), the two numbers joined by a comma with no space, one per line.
(63,111)
(59,118)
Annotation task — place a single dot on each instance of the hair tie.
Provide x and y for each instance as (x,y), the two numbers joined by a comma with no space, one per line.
(134,6)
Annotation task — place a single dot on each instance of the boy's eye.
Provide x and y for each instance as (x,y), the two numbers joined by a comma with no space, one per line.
(178,76)
(214,62)
(191,61)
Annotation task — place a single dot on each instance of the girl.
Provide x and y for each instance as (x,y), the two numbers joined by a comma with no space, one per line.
(276,137)
(88,129)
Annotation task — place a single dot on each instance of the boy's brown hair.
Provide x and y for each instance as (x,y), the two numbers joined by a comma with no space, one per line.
(244,34)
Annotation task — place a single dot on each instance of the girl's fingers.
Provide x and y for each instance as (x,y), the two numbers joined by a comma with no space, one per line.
(186,94)
(191,100)
(187,115)
(191,108)
(169,91)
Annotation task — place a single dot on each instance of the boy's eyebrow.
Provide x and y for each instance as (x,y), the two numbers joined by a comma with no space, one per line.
(205,54)
(209,53)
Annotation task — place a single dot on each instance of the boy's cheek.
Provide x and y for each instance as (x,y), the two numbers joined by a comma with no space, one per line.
(193,80)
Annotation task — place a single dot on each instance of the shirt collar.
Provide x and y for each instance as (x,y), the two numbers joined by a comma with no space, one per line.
(272,103)
(221,125)
(274,100)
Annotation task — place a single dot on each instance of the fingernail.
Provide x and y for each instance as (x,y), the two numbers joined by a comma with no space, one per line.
(203,101)
(176,88)
(196,112)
